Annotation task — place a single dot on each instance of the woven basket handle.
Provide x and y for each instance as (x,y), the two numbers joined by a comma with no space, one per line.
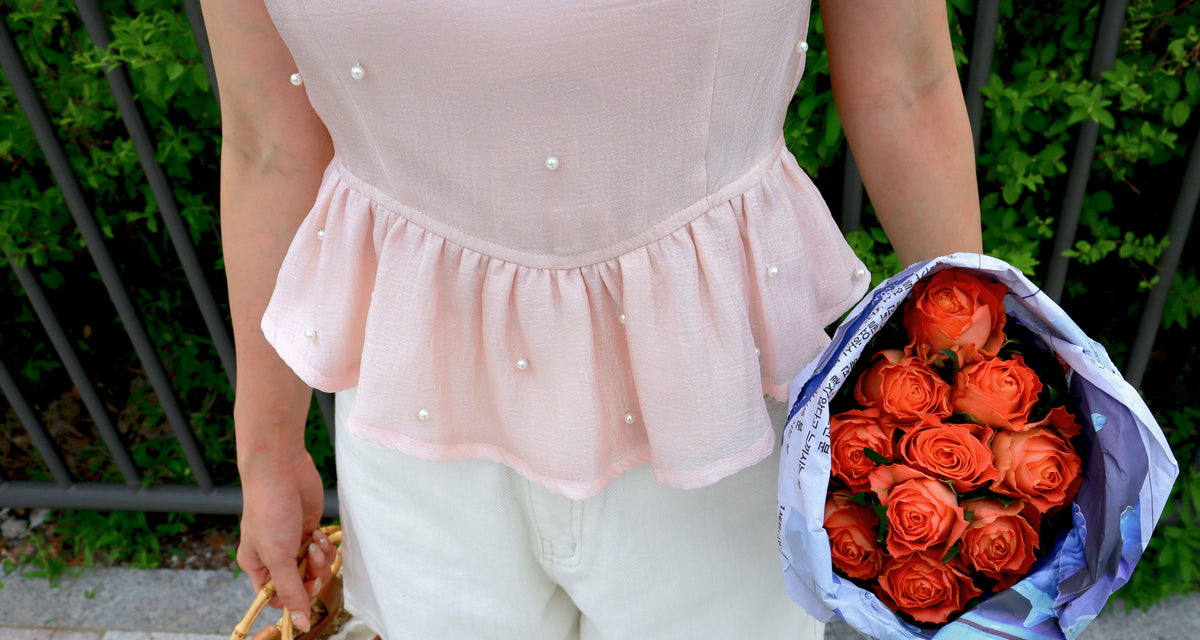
(334,533)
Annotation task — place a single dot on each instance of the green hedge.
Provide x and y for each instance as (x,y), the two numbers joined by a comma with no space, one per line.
(1038,93)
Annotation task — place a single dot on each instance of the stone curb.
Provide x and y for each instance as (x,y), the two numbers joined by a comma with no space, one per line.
(170,604)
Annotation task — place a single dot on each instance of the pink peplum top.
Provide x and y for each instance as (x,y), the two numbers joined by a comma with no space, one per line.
(564,236)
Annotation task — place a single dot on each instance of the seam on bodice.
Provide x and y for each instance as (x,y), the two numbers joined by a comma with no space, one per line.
(392,207)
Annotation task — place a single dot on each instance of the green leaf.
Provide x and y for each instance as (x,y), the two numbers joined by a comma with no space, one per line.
(875,457)
(1179,113)
(952,552)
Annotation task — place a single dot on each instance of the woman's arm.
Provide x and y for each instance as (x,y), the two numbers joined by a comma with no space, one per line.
(273,152)
(898,95)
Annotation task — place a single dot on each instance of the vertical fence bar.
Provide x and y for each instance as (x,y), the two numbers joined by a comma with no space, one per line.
(87,392)
(200,33)
(143,142)
(325,402)
(56,158)
(1104,55)
(852,195)
(41,439)
(1181,220)
(983,49)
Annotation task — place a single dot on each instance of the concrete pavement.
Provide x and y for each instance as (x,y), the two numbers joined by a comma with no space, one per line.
(164,604)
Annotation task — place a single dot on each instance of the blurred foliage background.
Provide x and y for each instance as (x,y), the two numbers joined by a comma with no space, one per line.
(1038,94)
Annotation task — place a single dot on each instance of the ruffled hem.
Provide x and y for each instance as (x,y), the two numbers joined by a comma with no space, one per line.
(570,375)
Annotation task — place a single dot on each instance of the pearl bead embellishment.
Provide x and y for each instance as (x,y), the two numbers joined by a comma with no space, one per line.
(551,163)
(522,364)
(629,418)
(757,351)
(860,272)
(320,234)
(772,271)
(357,72)
(423,415)
(621,318)
(297,79)
(801,46)
(310,334)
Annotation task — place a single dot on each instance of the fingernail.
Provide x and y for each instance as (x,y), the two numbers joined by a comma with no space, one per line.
(301,621)
(316,587)
(312,549)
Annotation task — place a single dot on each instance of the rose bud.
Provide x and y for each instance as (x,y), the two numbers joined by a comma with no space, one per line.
(955,310)
(922,512)
(1038,465)
(902,386)
(999,542)
(948,452)
(925,588)
(850,434)
(995,392)
(852,531)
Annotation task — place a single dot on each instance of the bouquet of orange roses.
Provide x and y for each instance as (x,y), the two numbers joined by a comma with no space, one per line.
(959,492)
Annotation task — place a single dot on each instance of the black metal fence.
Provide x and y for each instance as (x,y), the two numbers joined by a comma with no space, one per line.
(204,497)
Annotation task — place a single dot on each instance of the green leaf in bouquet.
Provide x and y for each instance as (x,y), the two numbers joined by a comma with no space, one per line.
(952,552)
(1004,500)
(881,511)
(951,363)
(860,498)
(876,457)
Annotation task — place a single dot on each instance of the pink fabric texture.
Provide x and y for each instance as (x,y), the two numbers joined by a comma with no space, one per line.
(567,237)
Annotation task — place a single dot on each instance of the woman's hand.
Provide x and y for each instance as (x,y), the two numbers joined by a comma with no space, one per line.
(274,150)
(898,95)
(282,504)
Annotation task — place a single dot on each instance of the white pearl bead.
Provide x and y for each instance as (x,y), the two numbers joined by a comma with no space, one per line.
(357,72)
(621,318)
(297,79)
(522,364)
(310,334)
(551,163)
(423,415)
(860,272)
(757,351)
(801,46)
(320,234)
(629,418)
(772,271)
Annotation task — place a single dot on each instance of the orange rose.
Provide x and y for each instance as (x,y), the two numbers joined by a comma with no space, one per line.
(852,537)
(922,512)
(995,392)
(999,542)
(850,434)
(1058,419)
(955,310)
(948,452)
(1038,465)
(903,387)
(925,588)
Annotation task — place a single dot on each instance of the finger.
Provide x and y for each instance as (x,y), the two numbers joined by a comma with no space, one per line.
(290,591)
(318,563)
(253,566)
(323,542)
(312,587)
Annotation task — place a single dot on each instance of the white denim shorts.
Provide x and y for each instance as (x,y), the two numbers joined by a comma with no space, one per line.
(472,550)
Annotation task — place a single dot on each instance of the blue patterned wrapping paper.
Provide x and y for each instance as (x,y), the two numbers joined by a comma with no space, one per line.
(1128,474)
